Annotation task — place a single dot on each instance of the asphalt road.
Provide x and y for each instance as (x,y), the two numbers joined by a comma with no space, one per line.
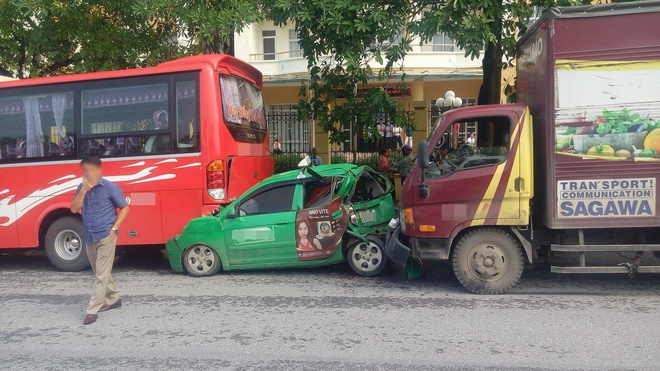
(323,319)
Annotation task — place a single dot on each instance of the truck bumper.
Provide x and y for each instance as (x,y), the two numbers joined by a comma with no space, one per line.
(397,252)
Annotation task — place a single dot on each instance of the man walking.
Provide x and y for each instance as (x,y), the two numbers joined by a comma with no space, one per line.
(99,200)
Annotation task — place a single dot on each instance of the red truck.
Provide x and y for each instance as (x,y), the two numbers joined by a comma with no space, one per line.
(573,167)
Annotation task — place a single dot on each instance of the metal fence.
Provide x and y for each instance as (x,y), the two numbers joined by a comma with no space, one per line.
(287,133)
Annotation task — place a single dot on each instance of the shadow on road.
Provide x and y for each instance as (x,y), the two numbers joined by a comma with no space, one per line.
(536,278)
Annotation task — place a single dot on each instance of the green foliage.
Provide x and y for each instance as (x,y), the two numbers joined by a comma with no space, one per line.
(287,161)
(45,37)
(495,24)
(339,39)
(208,26)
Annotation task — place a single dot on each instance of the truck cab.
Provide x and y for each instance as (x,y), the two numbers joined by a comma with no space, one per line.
(460,194)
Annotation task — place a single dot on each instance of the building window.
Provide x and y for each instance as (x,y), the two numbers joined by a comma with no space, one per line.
(287,132)
(294,44)
(443,43)
(268,44)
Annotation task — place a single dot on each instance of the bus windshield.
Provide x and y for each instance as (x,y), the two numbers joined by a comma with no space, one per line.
(243,109)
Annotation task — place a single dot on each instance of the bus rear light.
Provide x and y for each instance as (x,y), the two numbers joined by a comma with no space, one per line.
(215,179)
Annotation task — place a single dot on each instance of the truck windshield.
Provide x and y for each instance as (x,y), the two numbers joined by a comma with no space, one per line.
(470,143)
(435,128)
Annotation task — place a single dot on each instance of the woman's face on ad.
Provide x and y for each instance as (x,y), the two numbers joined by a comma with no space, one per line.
(303,230)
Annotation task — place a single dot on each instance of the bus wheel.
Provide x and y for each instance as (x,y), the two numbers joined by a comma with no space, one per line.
(65,245)
(367,258)
(201,261)
(488,261)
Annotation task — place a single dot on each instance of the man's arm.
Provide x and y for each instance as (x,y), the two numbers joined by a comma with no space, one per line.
(120,202)
(120,218)
(77,202)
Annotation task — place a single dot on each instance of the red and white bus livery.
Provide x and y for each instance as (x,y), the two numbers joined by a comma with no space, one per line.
(181,139)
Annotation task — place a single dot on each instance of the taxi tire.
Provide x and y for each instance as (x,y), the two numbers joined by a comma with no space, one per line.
(373,242)
(484,243)
(58,232)
(195,273)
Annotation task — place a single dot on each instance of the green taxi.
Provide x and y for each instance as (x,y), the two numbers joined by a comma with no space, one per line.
(311,217)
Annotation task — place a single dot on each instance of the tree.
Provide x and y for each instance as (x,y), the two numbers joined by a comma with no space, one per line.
(203,26)
(45,37)
(339,39)
(492,24)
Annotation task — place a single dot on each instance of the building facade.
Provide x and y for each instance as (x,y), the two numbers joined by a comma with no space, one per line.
(431,70)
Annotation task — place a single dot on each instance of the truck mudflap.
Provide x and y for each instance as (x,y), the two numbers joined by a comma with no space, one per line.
(397,252)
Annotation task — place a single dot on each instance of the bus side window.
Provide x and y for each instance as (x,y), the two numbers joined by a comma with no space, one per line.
(36,126)
(130,120)
(187,128)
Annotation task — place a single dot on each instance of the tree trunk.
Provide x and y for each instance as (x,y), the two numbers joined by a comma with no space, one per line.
(491,87)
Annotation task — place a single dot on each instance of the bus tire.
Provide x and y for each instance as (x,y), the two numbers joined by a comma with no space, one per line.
(488,261)
(65,245)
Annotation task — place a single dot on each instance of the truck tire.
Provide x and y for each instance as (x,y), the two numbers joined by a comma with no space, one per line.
(65,246)
(488,261)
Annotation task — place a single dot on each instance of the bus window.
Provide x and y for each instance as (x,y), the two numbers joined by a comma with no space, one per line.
(187,130)
(125,109)
(243,109)
(36,126)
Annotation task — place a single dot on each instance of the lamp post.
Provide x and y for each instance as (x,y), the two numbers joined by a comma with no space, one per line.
(448,102)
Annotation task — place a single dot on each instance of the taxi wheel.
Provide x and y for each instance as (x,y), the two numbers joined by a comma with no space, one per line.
(201,261)
(367,258)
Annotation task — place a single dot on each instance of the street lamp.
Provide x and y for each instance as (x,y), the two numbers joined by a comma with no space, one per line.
(449,101)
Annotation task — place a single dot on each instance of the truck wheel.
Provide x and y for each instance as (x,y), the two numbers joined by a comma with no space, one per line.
(201,261)
(65,246)
(488,261)
(368,258)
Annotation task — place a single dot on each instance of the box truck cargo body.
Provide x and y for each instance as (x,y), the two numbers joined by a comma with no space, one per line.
(573,167)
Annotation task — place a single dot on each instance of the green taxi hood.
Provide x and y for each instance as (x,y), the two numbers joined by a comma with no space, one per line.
(201,225)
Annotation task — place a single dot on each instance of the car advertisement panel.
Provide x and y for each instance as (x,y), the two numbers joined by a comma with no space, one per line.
(607,109)
(319,230)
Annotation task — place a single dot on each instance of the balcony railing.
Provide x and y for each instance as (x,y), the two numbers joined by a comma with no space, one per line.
(290,54)
(416,48)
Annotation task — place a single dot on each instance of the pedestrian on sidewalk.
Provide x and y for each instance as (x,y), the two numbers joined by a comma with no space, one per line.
(99,200)
(405,164)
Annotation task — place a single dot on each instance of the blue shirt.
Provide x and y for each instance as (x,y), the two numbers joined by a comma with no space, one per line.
(99,210)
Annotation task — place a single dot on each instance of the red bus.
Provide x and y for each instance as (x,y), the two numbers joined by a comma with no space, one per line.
(181,139)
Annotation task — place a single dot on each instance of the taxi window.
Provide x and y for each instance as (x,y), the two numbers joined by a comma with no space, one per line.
(273,200)
(319,193)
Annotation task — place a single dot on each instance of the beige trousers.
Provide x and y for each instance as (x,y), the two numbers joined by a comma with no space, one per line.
(101,255)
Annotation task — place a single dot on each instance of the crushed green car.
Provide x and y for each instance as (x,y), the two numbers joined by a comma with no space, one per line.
(312,217)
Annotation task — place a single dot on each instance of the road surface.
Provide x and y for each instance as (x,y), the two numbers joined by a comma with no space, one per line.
(322,319)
